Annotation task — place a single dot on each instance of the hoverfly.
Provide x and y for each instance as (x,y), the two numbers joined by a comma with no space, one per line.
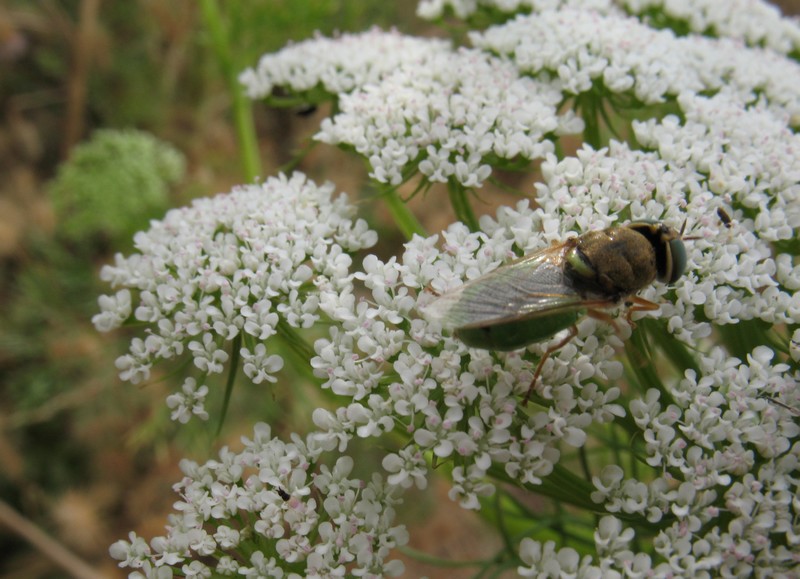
(541,294)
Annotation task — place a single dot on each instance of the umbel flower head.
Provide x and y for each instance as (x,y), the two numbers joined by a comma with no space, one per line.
(230,270)
(292,515)
(621,55)
(705,440)
(750,22)
(450,115)
(337,65)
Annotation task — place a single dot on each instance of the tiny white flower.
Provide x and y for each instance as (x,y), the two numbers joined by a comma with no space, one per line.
(407,467)
(258,366)
(189,403)
(114,310)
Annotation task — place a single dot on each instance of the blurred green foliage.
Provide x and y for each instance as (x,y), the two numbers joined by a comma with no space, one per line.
(113,184)
(261,26)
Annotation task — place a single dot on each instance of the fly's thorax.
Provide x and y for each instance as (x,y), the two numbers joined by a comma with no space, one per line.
(668,245)
(612,263)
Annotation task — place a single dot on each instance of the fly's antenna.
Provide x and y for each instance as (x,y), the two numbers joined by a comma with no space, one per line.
(683,229)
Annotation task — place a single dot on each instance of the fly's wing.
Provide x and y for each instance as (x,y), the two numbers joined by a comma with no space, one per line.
(525,288)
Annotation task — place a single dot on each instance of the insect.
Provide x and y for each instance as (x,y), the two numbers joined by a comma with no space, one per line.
(541,294)
(724,217)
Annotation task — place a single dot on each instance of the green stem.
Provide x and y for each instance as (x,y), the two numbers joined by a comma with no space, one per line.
(236,347)
(242,113)
(588,108)
(461,206)
(501,524)
(561,484)
(300,349)
(403,217)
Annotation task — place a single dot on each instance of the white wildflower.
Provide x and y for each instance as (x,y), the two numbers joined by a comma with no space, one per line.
(271,486)
(447,117)
(432,9)
(258,366)
(754,22)
(340,64)
(189,402)
(230,267)
(622,55)
(114,310)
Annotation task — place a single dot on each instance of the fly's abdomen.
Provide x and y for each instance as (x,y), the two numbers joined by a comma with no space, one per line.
(519,333)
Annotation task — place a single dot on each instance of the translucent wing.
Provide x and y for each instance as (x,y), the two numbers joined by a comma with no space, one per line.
(531,286)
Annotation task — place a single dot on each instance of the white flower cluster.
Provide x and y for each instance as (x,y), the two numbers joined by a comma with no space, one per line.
(450,119)
(407,103)
(462,404)
(747,154)
(338,65)
(749,158)
(189,402)
(612,543)
(727,438)
(733,274)
(623,55)
(232,266)
(754,22)
(457,402)
(272,510)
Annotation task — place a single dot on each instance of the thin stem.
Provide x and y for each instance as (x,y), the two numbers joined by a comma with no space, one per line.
(298,347)
(501,524)
(236,348)
(406,222)
(589,112)
(242,112)
(562,485)
(461,206)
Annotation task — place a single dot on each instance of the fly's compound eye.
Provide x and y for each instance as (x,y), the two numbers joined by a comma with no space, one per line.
(676,262)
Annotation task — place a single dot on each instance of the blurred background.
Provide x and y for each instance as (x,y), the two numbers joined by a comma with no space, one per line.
(135,91)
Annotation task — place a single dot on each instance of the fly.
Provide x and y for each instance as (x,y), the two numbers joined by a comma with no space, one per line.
(541,294)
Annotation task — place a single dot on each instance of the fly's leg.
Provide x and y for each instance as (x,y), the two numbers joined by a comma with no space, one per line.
(573,331)
(794,411)
(637,304)
(604,317)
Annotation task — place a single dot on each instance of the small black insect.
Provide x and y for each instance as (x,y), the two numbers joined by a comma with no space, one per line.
(724,217)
